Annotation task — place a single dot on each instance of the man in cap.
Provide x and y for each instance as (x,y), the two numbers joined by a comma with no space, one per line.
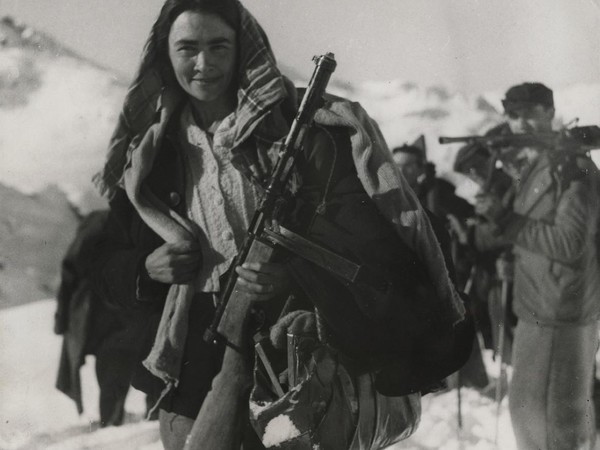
(551,223)
(436,194)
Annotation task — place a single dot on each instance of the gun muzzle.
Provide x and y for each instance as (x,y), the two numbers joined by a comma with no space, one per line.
(455,140)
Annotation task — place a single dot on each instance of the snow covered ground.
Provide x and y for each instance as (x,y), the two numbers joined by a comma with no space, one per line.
(34,415)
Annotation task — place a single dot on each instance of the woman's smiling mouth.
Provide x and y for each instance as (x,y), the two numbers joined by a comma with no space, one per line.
(206,80)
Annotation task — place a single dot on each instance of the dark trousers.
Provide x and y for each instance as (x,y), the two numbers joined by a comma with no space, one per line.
(114,368)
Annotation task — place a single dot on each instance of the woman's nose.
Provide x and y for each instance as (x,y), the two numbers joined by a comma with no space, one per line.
(202,61)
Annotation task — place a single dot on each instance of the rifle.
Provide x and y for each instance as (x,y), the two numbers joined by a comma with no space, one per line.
(564,145)
(233,305)
(224,411)
(583,139)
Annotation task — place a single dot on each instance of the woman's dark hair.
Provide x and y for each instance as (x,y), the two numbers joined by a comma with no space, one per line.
(157,46)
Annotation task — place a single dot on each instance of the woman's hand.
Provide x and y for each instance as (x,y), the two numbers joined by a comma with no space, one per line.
(175,263)
(263,281)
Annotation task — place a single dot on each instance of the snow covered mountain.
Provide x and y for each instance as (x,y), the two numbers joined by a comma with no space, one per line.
(57,111)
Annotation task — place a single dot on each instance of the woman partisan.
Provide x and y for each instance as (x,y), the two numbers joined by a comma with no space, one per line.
(199,132)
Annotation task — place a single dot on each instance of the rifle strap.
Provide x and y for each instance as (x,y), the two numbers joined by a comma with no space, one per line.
(322,207)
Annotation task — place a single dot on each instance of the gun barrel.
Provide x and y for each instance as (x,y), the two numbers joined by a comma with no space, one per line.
(312,100)
(504,139)
(460,139)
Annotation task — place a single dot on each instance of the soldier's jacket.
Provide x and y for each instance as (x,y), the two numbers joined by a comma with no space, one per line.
(553,228)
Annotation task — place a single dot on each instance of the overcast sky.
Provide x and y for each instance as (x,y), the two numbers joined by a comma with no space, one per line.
(468,45)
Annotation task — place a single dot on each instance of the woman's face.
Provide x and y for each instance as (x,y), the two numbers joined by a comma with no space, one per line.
(203,52)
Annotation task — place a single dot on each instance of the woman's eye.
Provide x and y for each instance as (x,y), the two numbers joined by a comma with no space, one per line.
(187,49)
(220,49)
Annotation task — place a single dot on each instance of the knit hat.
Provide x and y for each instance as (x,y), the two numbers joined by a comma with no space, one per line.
(527,95)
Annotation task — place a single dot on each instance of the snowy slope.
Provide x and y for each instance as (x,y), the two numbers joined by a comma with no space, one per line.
(34,415)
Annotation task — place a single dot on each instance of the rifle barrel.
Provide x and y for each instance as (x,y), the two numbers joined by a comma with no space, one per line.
(504,139)
(461,139)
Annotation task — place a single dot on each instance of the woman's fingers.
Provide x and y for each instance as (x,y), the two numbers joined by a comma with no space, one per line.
(176,262)
(262,273)
(256,288)
(264,280)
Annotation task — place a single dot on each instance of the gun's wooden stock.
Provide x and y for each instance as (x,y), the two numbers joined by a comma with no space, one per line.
(231,325)
(224,412)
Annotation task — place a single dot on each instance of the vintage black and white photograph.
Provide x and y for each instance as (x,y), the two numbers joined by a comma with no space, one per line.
(299,225)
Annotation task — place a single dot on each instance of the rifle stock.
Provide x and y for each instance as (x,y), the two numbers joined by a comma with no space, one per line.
(232,320)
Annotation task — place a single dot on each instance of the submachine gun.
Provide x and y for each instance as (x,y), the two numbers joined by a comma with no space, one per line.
(233,306)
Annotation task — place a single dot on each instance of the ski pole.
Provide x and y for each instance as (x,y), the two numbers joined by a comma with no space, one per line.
(454,255)
(505,276)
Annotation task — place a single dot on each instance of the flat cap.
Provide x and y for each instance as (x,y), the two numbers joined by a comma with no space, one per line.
(527,95)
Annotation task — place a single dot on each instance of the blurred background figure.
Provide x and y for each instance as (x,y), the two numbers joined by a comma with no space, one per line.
(485,251)
(490,277)
(90,327)
(438,196)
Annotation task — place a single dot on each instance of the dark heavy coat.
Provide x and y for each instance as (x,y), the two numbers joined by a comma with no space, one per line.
(122,281)
(119,277)
(91,327)
(384,328)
